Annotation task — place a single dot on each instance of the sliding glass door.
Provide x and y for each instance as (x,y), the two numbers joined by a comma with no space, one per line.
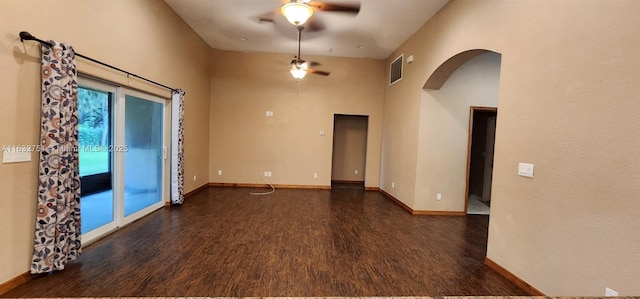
(123,164)
(144,159)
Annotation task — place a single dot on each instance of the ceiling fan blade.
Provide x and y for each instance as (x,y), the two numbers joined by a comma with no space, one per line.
(314,25)
(313,63)
(321,73)
(265,20)
(267,17)
(322,6)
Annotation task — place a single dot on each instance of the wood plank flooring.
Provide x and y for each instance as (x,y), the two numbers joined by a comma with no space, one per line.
(225,242)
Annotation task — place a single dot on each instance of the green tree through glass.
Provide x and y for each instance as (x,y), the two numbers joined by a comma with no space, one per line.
(93,131)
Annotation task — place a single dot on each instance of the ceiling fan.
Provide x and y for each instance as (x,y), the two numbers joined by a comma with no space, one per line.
(298,12)
(300,68)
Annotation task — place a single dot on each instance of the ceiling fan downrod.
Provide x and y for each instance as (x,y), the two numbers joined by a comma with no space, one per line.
(300,28)
(299,67)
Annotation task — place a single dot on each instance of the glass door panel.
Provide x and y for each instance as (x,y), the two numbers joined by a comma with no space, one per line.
(95,138)
(144,154)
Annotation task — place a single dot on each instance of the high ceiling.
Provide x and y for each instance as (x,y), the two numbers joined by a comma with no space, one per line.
(377,30)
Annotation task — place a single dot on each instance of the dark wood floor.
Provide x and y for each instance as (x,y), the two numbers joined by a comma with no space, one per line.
(225,242)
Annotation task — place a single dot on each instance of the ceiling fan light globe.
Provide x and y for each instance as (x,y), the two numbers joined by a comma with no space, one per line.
(297,13)
(298,73)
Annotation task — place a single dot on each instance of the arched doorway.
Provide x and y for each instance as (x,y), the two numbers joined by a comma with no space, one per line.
(468,79)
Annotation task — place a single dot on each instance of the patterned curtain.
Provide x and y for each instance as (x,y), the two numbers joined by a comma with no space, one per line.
(57,234)
(177,147)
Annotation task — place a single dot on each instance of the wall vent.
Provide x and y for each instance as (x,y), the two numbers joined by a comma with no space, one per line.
(395,74)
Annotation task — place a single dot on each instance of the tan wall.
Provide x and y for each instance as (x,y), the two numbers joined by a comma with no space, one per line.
(400,136)
(444,132)
(141,36)
(570,77)
(349,148)
(245,143)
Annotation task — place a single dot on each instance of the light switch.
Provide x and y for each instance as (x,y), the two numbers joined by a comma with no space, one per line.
(15,156)
(525,169)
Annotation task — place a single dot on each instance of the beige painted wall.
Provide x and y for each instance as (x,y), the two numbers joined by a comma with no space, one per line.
(444,132)
(349,148)
(142,36)
(245,143)
(570,77)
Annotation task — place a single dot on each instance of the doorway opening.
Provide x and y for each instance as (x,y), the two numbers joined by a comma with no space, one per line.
(348,166)
(482,133)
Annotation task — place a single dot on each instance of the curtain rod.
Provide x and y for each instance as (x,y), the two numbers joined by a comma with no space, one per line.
(27,36)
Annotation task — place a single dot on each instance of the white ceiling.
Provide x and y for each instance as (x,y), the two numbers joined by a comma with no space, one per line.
(378,29)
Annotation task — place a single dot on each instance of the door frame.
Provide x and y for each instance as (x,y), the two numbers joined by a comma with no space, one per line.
(366,149)
(472,111)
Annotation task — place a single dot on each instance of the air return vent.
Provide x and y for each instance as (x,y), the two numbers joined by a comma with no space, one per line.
(396,70)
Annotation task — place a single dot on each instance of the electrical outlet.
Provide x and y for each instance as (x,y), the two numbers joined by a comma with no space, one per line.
(195,177)
(356,171)
(315,175)
(439,196)
(393,185)
(219,172)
